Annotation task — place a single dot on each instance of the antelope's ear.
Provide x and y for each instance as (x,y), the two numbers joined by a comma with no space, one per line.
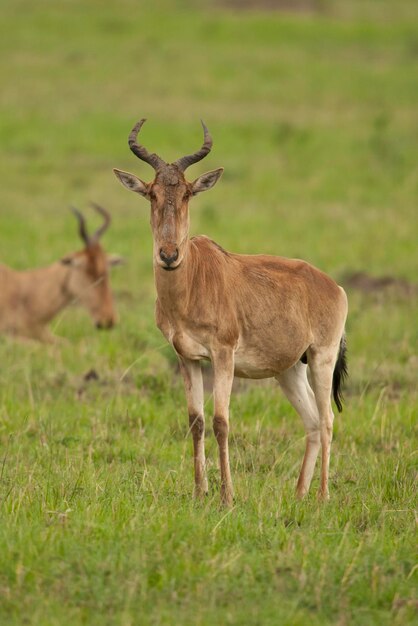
(206,181)
(131,182)
(115,259)
(73,259)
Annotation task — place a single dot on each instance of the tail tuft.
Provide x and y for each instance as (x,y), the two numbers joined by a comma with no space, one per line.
(340,374)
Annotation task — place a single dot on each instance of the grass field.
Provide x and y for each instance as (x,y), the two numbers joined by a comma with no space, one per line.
(314,117)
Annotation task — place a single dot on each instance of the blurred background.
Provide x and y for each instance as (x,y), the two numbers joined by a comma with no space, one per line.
(312,106)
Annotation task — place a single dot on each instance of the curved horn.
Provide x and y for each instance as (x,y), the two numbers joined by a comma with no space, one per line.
(185,161)
(106,222)
(141,152)
(82,228)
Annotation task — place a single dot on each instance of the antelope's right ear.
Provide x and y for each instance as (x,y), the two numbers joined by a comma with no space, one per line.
(131,182)
(206,181)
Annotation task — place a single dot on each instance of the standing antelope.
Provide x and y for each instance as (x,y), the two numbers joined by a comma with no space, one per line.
(30,299)
(251,316)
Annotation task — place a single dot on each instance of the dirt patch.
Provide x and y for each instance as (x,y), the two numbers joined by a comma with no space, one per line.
(364,282)
(91,375)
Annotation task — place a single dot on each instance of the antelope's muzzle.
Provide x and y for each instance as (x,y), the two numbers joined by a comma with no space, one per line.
(169,254)
(105,324)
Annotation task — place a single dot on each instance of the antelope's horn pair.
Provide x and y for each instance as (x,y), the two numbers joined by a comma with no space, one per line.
(82,227)
(156,162)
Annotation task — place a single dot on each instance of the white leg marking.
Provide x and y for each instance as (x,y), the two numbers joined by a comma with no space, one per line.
(295,385)
(322,363)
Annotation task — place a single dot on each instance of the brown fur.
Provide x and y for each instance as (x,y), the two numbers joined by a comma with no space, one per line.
(265,308)
(251,316)
(30,299)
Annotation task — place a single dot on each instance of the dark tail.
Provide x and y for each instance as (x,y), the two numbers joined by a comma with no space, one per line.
(340,374)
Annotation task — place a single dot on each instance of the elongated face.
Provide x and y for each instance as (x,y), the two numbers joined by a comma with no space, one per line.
(169,194)
(89,279)
(89,283)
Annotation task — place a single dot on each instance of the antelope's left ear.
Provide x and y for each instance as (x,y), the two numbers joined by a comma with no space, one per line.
(73,260)
(115,259)
(131,182)
(206,181)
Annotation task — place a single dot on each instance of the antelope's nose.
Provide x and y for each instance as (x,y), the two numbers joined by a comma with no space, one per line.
(169,257)
(105,324)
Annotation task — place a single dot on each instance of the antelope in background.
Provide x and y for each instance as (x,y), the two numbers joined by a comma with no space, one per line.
(30,299)
(251,316)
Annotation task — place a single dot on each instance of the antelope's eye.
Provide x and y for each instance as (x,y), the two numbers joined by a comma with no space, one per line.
(152,195)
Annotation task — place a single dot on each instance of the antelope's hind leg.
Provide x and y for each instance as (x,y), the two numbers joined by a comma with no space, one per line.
(193,384)
(322,362)
(295,385)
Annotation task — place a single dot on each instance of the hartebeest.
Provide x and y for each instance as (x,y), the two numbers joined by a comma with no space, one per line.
(30,299)
(251,316)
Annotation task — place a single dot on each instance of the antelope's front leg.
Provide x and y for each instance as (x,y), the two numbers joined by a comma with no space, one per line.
(193,384)
(223,370)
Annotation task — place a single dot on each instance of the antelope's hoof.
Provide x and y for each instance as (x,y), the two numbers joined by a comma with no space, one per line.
(227,500)
(301,492)
(323,496)
(200,492)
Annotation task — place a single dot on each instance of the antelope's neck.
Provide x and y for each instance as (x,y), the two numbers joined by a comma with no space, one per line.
(46,289)
(173,287)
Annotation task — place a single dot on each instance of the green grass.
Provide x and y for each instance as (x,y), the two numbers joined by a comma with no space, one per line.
(314,118)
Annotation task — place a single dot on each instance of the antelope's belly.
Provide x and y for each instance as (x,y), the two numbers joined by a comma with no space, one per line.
(262,363)
(249,361)
(249,365)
